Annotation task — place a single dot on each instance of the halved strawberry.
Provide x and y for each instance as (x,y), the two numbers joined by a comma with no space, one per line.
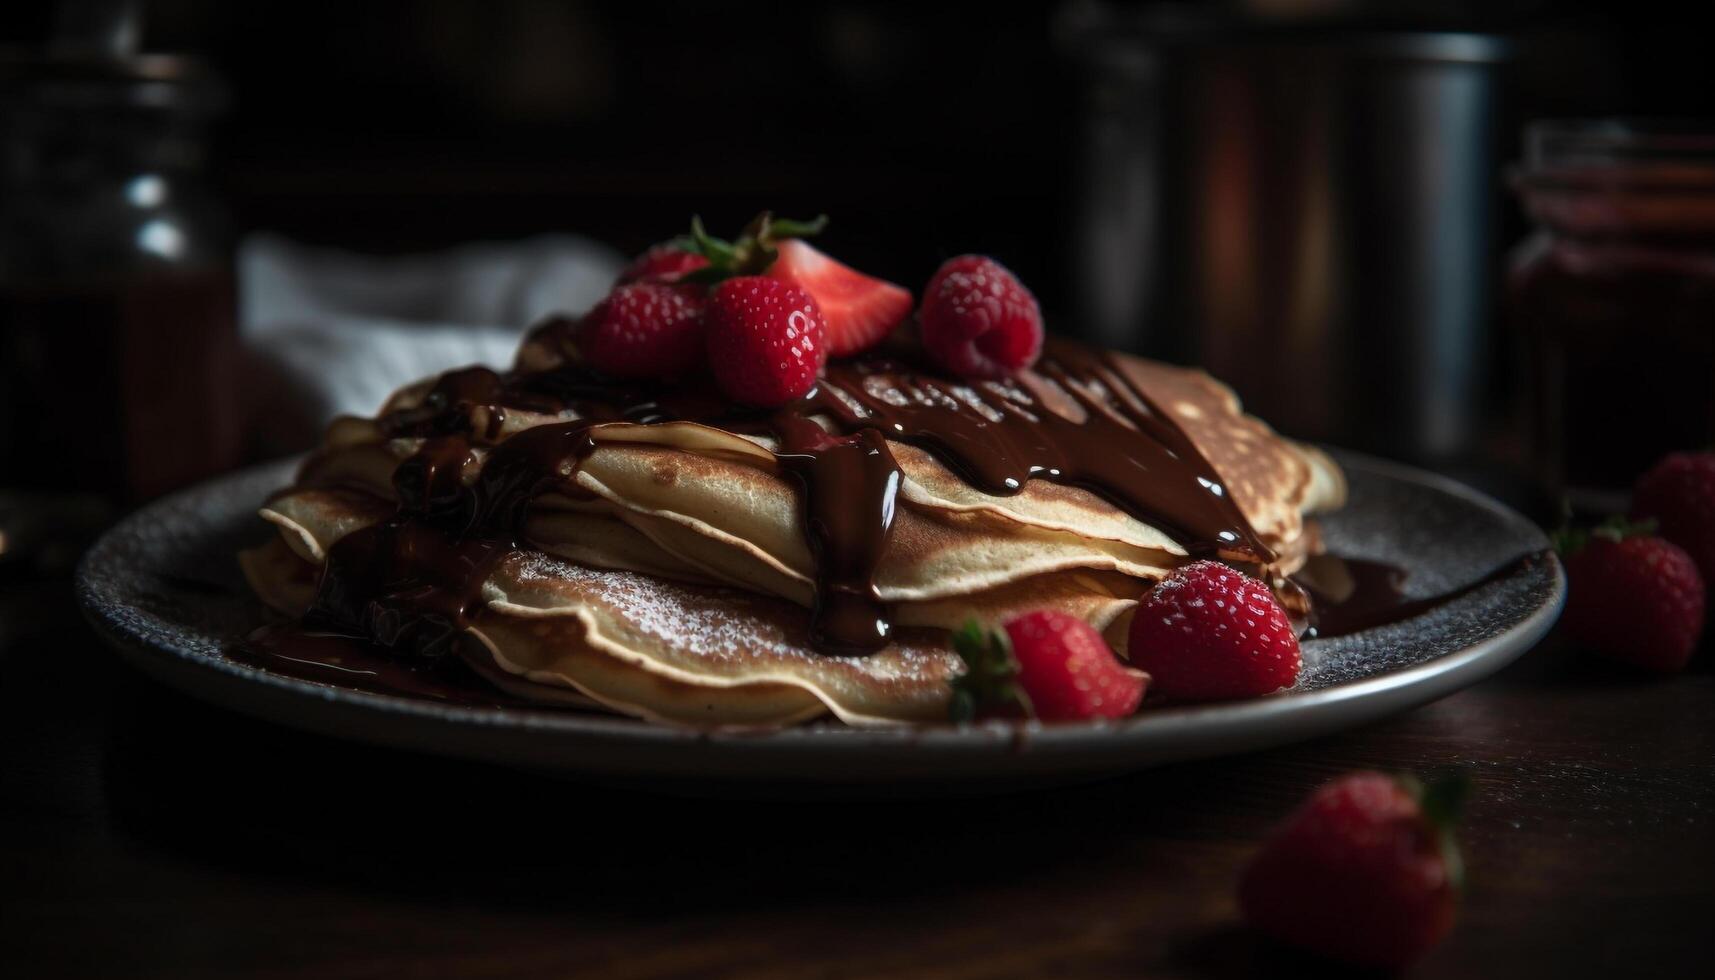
(859,310)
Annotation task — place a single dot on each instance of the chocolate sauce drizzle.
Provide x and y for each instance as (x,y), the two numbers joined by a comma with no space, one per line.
(414,581)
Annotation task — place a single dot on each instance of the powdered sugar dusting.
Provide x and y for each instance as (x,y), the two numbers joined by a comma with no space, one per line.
(724,632)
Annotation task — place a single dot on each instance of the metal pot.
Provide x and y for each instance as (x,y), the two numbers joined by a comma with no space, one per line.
(1306,213)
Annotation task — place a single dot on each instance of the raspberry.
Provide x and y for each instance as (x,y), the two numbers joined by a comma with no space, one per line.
(765,340)
(1208,632)
(644,330)
(978,320)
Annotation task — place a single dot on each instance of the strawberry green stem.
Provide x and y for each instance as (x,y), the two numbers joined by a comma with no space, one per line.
(751,253)
(989,685)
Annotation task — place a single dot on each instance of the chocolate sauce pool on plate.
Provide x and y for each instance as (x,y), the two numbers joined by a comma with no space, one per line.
(330,658)
(1377,594)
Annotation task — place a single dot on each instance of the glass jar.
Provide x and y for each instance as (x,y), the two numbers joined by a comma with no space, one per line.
(118,336)
(1614,295)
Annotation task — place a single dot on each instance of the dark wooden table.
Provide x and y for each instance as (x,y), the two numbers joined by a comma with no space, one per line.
(147,835)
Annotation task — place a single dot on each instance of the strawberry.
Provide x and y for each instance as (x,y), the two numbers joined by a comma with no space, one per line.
(1208,632)
(1365,872)
(978,320)
(1678,493)
(1632,597)
(666,262)
(644,330)
(1045,664)
(859,310)
(765,339)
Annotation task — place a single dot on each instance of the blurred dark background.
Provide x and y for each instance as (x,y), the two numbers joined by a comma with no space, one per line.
(924,129)
(1156,172)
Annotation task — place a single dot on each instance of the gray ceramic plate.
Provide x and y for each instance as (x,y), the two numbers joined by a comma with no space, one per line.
(164,588)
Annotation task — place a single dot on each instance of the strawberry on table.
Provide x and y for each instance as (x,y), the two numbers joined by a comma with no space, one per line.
(978,320)
(1632,597)
(859,310)
(765,340)
(1209,632)
(1366,871)
(1043,664)
(644,330)
(1678,493)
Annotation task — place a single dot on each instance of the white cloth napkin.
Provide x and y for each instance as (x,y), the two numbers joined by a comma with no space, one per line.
(331,332)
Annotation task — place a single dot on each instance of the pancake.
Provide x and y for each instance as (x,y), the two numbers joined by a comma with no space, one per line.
(311,522)
(557,653)
(697,654)
(678,561)
(282,579)
(722,509)
(719,478)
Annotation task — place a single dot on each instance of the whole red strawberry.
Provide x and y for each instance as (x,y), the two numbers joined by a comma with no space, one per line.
(764,339)
(1365,872)
(644,330)
(1678,493)
(1632,597)
(1209,632)
(859,310)
(978,320)
(1044,664)
(665,263)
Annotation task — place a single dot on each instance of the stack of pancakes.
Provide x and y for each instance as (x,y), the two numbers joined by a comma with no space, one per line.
(667,574)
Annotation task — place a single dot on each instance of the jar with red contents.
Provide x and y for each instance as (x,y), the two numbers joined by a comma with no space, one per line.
(1614,295)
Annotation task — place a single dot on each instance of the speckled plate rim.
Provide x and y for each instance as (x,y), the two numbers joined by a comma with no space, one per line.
(600,744)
